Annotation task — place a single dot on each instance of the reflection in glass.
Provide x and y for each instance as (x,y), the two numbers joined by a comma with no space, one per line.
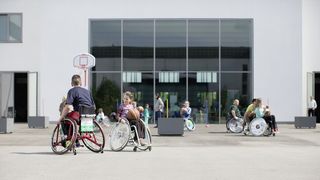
(235,86)
(142,91)
(170,45)
(106,91)
(138,45)
(204,99)
(106,44)
(203,41)
(236,45)
(173,96)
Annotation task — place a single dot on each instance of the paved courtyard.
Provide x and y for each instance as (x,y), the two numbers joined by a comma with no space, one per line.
(207,153)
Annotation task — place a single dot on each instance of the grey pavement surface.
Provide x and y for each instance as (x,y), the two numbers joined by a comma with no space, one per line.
(206,153)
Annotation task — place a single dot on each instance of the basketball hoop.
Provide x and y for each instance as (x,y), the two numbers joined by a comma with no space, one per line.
(84,61)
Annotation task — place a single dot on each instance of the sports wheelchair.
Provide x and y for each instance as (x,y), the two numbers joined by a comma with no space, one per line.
(259,127)
(122,134)
(235,125)
(189,124)
(66,134)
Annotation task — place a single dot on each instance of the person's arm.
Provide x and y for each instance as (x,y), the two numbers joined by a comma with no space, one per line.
(67,108)
(233,112)
(315,105)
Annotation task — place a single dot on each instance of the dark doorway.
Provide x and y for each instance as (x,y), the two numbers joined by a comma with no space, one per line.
(21,97)
(317,94)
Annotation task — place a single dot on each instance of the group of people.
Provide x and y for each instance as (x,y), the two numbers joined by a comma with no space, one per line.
(255,110)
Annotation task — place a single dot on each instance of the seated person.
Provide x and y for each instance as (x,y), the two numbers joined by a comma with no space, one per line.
(185,110)
(249,114)
(77,97)
(266,115)
(234,112)
(126,110)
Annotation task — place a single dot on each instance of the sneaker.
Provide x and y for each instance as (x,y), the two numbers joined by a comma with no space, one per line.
(78,144)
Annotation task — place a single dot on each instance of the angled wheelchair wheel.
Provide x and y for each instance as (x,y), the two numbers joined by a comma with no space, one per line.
(120,135)
(147,140)
(258,126)
(268,131)
(63,137)
(95,140)
(236,125)
(190,125)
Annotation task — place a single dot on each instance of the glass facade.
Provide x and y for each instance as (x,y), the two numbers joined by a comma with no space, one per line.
(205,61)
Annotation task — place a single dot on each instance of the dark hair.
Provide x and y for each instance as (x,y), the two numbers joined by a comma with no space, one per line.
(76,80)
(253,100)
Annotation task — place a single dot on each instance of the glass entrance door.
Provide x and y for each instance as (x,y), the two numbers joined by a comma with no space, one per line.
(7,95)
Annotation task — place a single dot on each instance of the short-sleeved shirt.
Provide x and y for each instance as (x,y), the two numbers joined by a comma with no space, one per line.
(250,108)
(235,109)
(124,109)
(79,96)
(259,112)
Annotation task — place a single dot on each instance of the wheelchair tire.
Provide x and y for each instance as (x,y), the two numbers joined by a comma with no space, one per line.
(147,140)
(61,144)
(268,131)
(236,125)
(120,135)
(95,141)
(190,125)
(258,126)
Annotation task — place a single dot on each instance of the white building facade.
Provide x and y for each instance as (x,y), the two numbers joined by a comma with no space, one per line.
(284,45)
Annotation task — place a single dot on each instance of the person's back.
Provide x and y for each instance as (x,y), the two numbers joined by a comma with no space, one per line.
(78,96)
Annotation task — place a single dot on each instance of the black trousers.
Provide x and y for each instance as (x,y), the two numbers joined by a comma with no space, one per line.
(271,120)
(311,112)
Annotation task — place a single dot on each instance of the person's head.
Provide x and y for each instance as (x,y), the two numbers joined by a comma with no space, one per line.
(157,96)
(140,109)
(76,80)
(100,110)
(147,105)
(236,102)
(127,97)
(258,102)
(186,103)
(253,100)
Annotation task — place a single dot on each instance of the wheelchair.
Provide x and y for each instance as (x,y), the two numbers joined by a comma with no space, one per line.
(75,127)
(259,127)
(189,124)
(122,134)
(235,125)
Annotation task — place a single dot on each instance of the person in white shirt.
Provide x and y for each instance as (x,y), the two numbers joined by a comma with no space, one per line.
(312,105)
(158,108)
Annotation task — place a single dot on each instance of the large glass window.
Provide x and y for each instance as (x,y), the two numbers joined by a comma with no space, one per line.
(106,44)
(205,61)
(170,45)
(10,28)
(138,45)
(106,91)
(203,42)
(236,45)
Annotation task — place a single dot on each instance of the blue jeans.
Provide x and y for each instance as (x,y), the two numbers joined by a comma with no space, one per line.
(158,115)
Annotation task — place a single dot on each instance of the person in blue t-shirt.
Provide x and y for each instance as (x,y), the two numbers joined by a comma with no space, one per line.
(77,96)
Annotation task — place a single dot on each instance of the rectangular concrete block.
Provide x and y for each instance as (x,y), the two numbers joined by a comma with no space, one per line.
(170,126)
(305,122)
(38,121)
(6,125)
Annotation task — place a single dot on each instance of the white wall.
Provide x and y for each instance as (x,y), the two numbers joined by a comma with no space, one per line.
(59,31)
(311,42)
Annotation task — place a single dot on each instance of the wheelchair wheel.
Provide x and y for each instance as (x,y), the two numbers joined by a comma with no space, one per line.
(63,137)
(236,125)
(120,135)
(95,140)
(190,125)
(147,140)
(258,126)
(268,131)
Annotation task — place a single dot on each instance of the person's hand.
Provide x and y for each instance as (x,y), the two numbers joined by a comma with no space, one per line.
(236,118)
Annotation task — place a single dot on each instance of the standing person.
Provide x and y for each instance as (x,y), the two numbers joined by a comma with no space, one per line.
(312,105)
(234,112)
(158,108)
(146,114)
